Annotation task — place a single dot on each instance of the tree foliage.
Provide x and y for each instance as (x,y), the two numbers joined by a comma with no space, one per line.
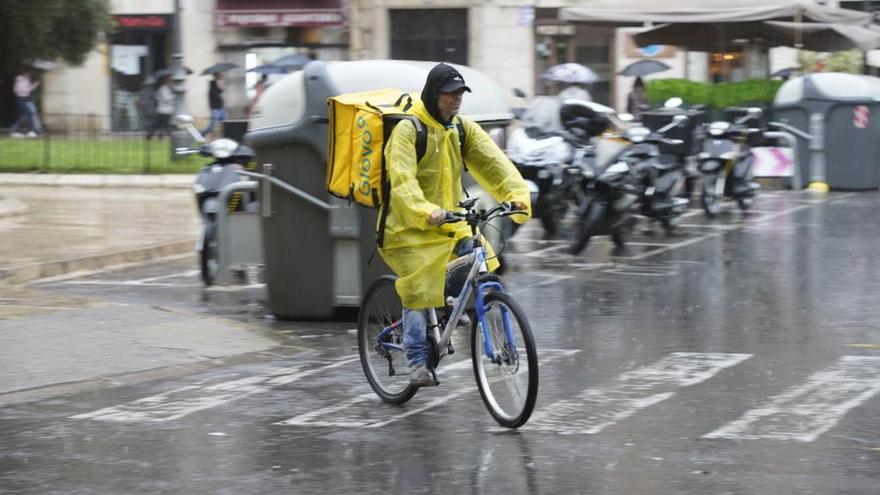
(50,29)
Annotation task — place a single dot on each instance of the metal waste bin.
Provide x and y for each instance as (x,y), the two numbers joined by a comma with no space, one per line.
(845,110)
(316,258)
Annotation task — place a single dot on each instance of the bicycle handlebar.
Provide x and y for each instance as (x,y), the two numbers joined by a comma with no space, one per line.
(503,209)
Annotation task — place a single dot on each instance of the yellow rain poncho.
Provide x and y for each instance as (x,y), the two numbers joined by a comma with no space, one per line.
(416,251)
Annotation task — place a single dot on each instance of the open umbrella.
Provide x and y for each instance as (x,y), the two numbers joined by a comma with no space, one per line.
(292,62)
(43,64)
(221,67)
(643,68)
(786,72)
(268,69)
(571,73)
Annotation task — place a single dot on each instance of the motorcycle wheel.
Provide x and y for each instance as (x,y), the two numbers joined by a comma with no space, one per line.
(709,198)
(622,231)
(554,213)
(586,226)
(208,259)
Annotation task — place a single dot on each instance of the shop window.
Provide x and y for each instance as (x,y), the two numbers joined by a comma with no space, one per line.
(430,34)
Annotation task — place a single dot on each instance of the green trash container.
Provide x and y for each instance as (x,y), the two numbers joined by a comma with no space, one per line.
(316,258)
(849,107)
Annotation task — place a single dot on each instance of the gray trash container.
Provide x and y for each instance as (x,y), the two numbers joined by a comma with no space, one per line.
(849,107)
(316,259)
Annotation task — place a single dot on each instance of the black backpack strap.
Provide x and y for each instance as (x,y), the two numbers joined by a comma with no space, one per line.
(421,147)
(462,137)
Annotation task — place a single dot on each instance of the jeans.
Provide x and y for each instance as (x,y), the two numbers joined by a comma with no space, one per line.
(27,111)
(415,322)
(217,115)
(415,326)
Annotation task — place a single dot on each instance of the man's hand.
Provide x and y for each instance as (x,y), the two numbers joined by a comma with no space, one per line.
(517,206)
(437,216)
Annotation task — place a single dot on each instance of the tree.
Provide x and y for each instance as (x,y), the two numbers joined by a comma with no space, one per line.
(50,29)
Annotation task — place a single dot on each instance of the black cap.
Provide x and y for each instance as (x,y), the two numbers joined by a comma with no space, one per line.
(454,82)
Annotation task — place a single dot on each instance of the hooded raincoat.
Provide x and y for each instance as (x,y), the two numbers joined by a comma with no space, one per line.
(416,251)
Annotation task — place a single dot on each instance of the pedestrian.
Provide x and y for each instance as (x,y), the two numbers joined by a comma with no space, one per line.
(259,89)
(164,109)
(215,101)
(636,101)
(575,91)
(416,246)
(27,110)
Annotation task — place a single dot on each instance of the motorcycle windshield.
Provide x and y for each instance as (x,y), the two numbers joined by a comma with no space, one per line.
(543,114)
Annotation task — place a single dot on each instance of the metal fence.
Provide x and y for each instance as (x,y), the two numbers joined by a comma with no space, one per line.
(85,144)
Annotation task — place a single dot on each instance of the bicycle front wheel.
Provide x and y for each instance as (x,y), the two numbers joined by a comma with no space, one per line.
(505,361)
(380,341)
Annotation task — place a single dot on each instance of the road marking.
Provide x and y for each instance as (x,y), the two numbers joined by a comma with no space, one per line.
(807,411)
(545,250)
(186,274)
(186,400)
(594,409)
(356,412)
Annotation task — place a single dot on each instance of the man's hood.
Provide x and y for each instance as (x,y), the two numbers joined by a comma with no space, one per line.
(442,75)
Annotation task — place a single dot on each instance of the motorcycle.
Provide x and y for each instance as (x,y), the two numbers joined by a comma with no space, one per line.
(228,157)
(633,181)
(726,163)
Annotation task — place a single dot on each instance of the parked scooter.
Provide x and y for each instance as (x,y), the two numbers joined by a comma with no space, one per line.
(228,158)
(634,181)
(556,159)
(726,163)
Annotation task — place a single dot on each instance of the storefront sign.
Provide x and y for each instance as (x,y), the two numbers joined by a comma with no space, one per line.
(142,21)
(279,13)
(304,17)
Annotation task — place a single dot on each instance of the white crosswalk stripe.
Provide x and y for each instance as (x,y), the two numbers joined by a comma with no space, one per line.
(595,409)
(186,400)
(809,410)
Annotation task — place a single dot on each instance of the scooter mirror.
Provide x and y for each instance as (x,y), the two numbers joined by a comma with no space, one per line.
(754,112)
(680,120)
(674,102)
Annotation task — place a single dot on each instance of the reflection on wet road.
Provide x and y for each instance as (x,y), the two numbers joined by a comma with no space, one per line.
(737,356)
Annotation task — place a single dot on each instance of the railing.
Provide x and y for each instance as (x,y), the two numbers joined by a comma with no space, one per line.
(83,144)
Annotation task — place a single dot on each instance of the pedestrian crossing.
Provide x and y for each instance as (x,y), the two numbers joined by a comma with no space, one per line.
(801,412)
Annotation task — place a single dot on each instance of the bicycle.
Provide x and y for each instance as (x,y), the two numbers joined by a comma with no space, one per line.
(505,361)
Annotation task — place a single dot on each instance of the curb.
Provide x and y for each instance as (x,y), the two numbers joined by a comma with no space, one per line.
(163,181)
(10,207)
(46,269)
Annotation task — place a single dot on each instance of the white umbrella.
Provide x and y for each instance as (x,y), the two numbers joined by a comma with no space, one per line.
(571,73)
(43,64)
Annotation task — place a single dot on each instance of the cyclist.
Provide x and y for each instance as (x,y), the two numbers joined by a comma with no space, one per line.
(416,246)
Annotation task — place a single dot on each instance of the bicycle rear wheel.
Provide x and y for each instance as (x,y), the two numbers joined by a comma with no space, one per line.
(508,381)
(380,322)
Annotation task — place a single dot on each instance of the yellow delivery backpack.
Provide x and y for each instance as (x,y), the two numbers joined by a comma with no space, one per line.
(360,124)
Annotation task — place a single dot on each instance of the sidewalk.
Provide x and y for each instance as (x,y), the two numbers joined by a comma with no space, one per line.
(56,224)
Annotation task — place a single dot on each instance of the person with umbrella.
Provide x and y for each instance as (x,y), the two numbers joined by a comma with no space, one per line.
(164,108)
(215,95)
(637,101)
(575,77)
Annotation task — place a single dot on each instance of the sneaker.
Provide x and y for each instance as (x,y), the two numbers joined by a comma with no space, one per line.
(421,376)
(31,134)
(16,135)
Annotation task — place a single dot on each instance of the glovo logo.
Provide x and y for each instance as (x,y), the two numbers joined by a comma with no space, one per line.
(366,160)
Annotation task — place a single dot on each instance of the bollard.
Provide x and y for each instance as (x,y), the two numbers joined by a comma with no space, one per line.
(817,154)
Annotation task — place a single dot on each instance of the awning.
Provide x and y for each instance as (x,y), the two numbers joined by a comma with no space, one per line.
(644,12)
(278,13)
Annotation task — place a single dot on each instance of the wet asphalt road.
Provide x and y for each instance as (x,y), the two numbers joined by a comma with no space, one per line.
(740,356)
